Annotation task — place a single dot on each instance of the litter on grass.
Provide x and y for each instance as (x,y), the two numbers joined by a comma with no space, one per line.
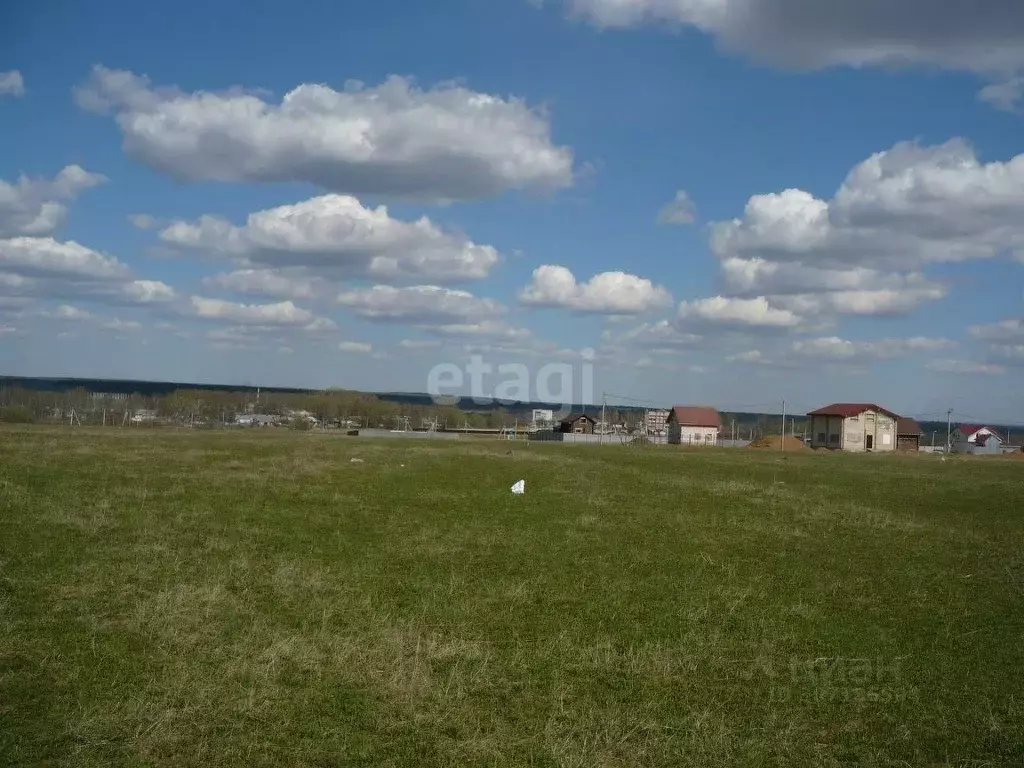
(519,487)
(356,461)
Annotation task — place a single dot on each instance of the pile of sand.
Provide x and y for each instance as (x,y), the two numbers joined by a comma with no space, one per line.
(775,442)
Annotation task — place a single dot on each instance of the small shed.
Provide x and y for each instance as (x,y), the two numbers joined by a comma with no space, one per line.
(908,435)
(577,424)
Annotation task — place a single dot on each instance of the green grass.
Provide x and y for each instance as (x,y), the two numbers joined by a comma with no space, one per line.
(256,598)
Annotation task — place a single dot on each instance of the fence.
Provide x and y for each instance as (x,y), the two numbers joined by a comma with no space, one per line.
(409,434)
(570,437)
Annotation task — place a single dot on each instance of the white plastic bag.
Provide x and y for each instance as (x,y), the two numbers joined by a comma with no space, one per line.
(519,488)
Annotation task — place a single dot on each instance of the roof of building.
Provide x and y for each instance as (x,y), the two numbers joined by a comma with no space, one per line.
(907,426)
(696,416)
(576,417)
(970,429)
(847,410)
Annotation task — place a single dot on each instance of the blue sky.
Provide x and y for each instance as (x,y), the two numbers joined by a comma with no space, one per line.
(850,192)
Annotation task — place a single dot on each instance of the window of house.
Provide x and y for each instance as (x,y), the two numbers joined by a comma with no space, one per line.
(833,438)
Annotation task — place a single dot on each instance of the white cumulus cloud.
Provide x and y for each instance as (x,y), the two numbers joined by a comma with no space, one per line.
(1006,95)
(810,289)
(46,256)
(12,83)
(117,325)
(275,283)
(355,347)
(954,34)
(866,250)
(1011,329)
(418,303)
(143,220)
(283,313)
(78,317)
(68,312)
(680,211)
(147,291)
(834,348)
(661,335)
(45,268)
(444,143)
(32,207)
(497,330)
(615,293)
(419,344)
(738,313)
(899,209)
(335,234)
(1003,341)
(964,367)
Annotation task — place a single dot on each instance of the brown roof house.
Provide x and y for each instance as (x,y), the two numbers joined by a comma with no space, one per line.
(693,425)
(578,424)
(908,435)
(854,427)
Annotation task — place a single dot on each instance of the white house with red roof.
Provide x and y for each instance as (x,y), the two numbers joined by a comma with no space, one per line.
(693,425)
(976,438)
(854,427)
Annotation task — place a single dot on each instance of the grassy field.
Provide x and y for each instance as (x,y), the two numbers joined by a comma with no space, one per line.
(258,598)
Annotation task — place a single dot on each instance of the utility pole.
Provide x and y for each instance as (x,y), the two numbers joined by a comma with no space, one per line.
(949,429)
(734,431)
(604,405)
(783,424)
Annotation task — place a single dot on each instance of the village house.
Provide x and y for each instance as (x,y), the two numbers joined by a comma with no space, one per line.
(656,421)
(542,417)
(577,424)
(693,425)
(853,427)
(975,438)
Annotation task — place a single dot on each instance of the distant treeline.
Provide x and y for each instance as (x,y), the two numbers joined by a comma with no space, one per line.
(104,401)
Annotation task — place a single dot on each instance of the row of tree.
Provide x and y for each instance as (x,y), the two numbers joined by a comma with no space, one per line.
(341,408)
(212,409)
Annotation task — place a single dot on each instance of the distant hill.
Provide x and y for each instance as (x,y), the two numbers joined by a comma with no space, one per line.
(131,386)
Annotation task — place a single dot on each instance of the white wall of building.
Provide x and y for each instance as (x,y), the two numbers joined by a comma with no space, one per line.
(869,430)
(966,443)
(678,435)
(852,433)
(543,416)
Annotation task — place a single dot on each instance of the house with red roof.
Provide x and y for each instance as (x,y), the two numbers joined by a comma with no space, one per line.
(854,427)
(976,438)
(693,425)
